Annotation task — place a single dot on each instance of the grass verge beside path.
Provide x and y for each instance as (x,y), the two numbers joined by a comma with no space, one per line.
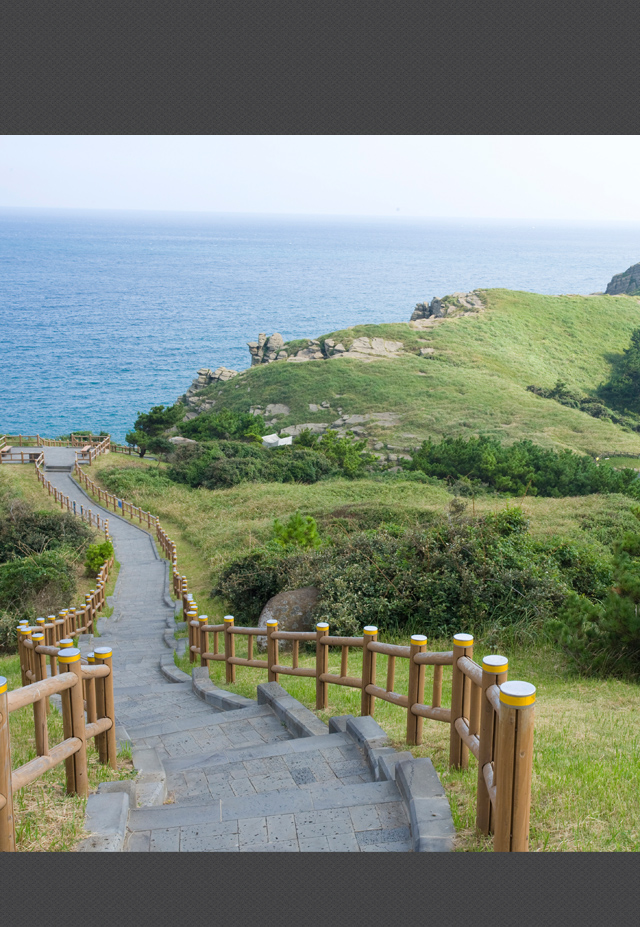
(586,746)
(587,740)
(46,817)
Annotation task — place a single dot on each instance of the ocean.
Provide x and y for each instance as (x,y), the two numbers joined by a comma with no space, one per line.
(104,314)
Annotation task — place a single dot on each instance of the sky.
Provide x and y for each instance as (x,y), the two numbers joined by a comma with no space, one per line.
(557,178)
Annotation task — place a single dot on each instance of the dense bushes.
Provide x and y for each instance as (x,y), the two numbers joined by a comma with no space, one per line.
(589,404)
(622,391)
(38,553)
(520,469)
(457,573)
(223,424)
(604,638)
(96,556)
(23,531)
(226,463)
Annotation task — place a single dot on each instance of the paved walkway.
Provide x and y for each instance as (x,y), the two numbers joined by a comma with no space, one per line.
(237,780)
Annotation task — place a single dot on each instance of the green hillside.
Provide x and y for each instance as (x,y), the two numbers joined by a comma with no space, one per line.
(474,382)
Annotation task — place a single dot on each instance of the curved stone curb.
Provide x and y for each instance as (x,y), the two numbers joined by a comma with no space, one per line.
(106,817)
(170,671)
(429,813)
(297,719)
(210,693)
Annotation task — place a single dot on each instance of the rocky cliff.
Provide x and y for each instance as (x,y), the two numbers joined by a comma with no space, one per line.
(627,283)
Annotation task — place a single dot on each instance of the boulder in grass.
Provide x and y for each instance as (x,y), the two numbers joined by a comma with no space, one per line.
(292,610)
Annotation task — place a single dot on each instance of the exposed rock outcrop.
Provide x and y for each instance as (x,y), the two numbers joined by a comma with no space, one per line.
(266,350)
(627,283)
(455,304)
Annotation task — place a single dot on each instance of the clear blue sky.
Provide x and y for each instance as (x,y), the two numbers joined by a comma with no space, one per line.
(503,177)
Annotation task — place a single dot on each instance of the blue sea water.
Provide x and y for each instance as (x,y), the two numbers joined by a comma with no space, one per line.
(104,314)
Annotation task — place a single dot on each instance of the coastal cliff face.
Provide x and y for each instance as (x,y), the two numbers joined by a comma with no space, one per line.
(627,283)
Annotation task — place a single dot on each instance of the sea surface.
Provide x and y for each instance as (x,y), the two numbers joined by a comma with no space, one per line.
(104,314)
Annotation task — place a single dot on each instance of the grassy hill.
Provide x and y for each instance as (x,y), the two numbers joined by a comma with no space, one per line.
(474,382)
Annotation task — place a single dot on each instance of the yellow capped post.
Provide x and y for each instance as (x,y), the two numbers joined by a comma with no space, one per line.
(517,694)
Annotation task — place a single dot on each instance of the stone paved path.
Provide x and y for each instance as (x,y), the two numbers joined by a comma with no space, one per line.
(237,780)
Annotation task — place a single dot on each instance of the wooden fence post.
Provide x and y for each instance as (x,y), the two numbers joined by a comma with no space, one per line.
(416,689)
(77,776)
(104,656)
(514,764)
(322,666)
(40,707)
(494,673)
(90,693)
(192,634)
(204,640)
(460,693)
(368,670)
(22,653)
(7,825)
(229,649)
(272,650)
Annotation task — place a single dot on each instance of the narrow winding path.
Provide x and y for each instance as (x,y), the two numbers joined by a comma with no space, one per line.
(236,779)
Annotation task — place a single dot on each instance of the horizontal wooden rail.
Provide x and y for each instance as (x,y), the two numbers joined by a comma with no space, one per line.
(32,770)
(444,658)
(98,727)
(471,670)
(401,700)
(432,712)
(352,681)
(293,670)
(292,635)
(342,641)
(471,740)
(27,695)
(390,650)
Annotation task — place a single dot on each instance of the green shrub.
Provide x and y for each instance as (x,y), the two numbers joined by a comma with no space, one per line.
(24,531)
(96,556)
(456,573)
(223,424)
(299,531)
(8,638)
(46,578)
(520,469)
(603,639)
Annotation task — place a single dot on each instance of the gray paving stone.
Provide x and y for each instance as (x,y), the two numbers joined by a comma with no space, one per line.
(393,835)
(139,842)
(252,831)
(365,817)
(284,846)
(322,824)
(368,793)
(314,845)
(165,841)
(267,803)
(342,843)
(281,827)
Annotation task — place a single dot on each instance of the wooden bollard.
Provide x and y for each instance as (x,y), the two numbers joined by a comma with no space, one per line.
(192,615)
(368,670)
(322,666)
(90,693)
(104,656)
(40,707)
(65,643)
(229,649)
(204,639)
(494,673)
(25,634)
(513,768)
(7,825)
(460,694)
(22,652)
(272,650)
(74,724)
(416,689)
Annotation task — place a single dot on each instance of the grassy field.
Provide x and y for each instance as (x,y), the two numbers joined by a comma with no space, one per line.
(476,380)
(46,817)
(587,731)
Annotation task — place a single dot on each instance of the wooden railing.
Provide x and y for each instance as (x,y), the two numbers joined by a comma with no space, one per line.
(489,716)
(93,519)
(90,451)
(97,701)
